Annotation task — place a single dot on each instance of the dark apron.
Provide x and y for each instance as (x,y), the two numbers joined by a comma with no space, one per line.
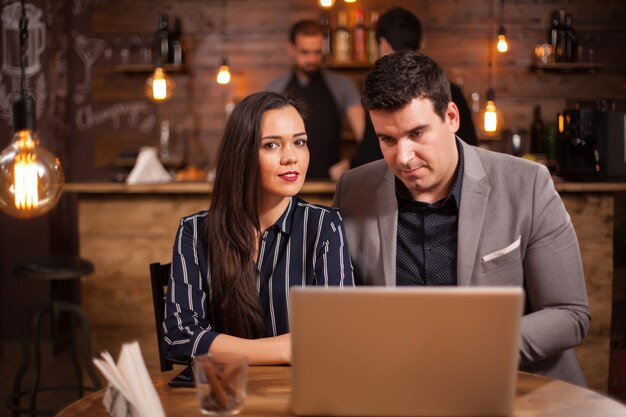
(323,124)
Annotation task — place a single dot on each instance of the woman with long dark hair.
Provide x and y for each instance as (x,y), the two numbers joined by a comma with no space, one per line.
(232,265)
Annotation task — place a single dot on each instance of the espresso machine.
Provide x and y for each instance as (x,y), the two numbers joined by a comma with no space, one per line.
(591,144)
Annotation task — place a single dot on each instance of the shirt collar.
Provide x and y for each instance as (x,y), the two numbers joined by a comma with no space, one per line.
(403,194)
(284,222)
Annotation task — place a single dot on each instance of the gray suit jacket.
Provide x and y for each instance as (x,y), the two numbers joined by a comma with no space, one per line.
(512,230)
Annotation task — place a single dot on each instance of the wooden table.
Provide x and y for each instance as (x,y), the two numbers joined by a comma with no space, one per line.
(269,391)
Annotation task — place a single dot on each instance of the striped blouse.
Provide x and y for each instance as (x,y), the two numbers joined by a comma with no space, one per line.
(306,246)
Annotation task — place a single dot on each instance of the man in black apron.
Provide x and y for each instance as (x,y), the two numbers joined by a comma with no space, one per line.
(397,30)
(328,97)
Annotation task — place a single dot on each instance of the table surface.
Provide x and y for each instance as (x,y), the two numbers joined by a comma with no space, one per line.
(269,389)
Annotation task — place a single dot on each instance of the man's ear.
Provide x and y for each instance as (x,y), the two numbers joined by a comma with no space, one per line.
(384,48)
(452,116)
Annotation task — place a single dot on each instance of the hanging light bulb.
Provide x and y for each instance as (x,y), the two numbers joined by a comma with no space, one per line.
(502,45)
(490,117)
(159,86)
(31,177)
(223,74)
(326,3)
(349,1)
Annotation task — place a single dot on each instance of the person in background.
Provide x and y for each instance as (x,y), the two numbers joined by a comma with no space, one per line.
(233,265)
(329,97)
(400,30)
(437,211)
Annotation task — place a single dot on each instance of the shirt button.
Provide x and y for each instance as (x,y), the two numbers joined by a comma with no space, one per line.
(428,248)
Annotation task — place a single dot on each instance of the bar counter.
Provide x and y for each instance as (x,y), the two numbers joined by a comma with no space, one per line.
(123,228)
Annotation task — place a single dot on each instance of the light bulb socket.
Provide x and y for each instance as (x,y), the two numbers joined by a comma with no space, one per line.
(24,113)
(491,95)
(501,31)
(224,63)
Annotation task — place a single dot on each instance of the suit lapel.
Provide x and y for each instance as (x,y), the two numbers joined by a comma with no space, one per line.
(387,214)
(474,198)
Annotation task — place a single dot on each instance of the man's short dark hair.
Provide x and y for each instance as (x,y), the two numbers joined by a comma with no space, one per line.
(306,28)
(398,78)
(401,28)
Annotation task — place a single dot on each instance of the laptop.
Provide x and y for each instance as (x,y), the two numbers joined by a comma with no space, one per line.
(411,351)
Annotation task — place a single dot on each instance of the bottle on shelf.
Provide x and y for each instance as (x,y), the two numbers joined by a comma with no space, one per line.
(550,142)
(570,39)
(175,47)
(553,34)
(326,50)
(537,132)
(162,41)
(371,44)
(561,37)
(341,46)
(359,37)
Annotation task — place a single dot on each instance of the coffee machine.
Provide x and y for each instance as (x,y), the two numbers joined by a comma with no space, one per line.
(591,144)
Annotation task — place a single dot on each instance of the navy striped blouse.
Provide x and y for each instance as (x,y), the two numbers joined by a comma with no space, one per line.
(306,246)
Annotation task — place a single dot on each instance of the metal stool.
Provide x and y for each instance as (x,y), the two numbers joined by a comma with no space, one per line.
(52,269)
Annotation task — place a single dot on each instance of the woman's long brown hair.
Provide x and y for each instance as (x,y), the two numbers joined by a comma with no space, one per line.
(233,221)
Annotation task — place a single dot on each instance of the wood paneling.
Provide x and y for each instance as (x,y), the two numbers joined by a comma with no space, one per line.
(592,216)
(253,35)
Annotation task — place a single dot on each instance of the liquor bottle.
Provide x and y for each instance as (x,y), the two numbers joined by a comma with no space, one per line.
(371,44)
(341,46)
(550,142)
(359,37)
(561,37)
(326,50)
(175,47)
(162,42)
(570,39)
(553,35)
(537,133)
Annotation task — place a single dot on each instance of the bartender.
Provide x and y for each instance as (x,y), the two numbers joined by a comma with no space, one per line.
(329,97)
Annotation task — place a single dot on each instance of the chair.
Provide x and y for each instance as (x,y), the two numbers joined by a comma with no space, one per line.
(54,270)
(159,278)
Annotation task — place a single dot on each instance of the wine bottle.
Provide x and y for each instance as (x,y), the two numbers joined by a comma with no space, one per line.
(326,50)
(537,132)
(342,39)
(162,42)
(372,45)
(359,37)
(570,39)
(175,47)
(559,52)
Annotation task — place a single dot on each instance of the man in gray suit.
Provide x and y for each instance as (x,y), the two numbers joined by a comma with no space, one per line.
(437,211)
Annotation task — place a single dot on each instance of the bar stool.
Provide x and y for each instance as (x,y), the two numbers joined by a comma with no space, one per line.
(54,269)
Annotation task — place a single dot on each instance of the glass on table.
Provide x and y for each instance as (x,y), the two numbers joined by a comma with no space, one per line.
(221,382)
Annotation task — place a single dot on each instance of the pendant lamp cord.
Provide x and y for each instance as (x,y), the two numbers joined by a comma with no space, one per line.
(23,40)
(491,46)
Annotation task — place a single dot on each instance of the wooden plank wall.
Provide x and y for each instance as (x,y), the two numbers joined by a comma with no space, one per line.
(456,34)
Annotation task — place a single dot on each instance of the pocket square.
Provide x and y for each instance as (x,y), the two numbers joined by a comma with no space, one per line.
(504,251)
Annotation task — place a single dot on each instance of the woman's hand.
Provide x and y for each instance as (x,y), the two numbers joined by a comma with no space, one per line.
(266,351)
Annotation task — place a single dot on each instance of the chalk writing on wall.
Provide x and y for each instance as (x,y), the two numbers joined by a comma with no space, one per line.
(139,115)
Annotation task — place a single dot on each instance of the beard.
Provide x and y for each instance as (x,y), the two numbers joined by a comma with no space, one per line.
(309,70)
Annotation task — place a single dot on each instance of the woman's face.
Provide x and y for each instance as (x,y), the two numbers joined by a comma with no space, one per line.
(283,153)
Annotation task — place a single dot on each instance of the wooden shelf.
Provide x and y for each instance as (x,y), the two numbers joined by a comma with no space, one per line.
(350,66)
(569,67)
(146,68)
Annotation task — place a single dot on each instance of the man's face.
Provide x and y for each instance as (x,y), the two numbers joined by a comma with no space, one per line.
(306,52)
(419,147)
